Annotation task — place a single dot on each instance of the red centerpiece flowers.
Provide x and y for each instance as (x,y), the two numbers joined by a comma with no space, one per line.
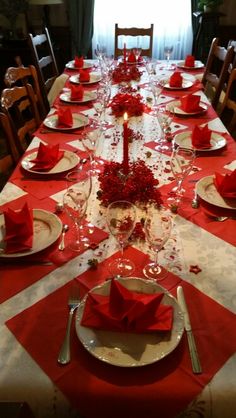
(139,186)
(132,104)
(122,73)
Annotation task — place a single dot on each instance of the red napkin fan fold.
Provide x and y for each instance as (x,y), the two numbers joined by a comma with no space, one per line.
(189,61)
(79,61)
(127,311)
(47,157)
(226,185)
(190,103)
(201,137)
(84,76)
(65,118)
(176,79)
(18,229)
(77,92)
(131,57)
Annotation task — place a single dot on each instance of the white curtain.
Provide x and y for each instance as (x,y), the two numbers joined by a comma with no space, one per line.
(171,19)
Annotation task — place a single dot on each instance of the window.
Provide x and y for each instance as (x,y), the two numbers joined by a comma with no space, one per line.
(171,19)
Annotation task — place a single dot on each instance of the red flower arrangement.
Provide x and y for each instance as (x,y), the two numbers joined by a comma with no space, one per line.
(122,103)
(125,74)
(139,186)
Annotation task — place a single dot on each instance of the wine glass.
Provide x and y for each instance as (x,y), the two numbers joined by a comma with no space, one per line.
(120,217)
(168,49)
(157,227)
(156,91)
(181,163)
(75,204)
(137,52)
(164,119)
(80,178)
(101,103)
(89,141)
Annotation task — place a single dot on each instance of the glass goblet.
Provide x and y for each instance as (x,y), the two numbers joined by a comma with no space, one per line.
(181,163)
(89,141)
(168,49)
(137,52)
(120,217)
(156,91)
(157,227)
(81,179)
(75,204)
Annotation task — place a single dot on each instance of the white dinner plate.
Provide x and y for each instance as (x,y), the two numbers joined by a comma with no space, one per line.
(174,107)
(87,97)
(130,349)
(79,121)
(185,85)
(184,140)
(207,191)
(47,229)
(197,65)
(94,78)
(67,162)
(71,65)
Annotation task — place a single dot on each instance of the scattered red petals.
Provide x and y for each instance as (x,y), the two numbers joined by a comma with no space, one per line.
(194,269)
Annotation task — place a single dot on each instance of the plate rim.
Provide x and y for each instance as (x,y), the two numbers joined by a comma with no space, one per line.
(86,82)
(36,213)
(142,364)
(78,68)
(49,172)
(78,101)
(189,68)
(203,149)
(198,184)
(167,86)
(74,116)
(205,107)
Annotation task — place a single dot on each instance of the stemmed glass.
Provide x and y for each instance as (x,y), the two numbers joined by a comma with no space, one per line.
(157,227)
(75,204)
(168,49)
(89,141)
(137,52)
(164,120)
(120,217)
(80,178)
(156,91)
(101,103)
(181,163)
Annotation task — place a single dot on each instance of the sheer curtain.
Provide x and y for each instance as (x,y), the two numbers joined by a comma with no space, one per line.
(172,24)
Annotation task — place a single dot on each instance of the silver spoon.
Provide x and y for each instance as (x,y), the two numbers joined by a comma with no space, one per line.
(61,246)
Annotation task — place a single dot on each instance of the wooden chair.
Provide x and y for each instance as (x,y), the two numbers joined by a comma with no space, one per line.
(26,75)
(44,61)
(227,111)
(19,118)
(134,32)
(217,70)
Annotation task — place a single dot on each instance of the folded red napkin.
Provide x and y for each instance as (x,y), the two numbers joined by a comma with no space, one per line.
(201,137)
(84,76)
(65,118)
(47,157)
(226,185)
(18,229)
(176,79)
(190,103)
(125,310)
(77,92)
(131,57)
(189,61)
(79,61)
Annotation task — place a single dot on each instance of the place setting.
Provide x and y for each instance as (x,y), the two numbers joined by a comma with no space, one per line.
(79,63)
(190,63)
(78,95)
(85,77)
(187,106)
(64,120)
(200,139)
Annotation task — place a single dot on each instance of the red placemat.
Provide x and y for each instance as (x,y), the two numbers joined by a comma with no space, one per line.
(98,389)
(17,274)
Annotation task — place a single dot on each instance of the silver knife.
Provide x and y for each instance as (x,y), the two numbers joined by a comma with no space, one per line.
(196,365)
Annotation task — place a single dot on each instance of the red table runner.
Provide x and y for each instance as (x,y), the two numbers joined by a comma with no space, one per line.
(98,389)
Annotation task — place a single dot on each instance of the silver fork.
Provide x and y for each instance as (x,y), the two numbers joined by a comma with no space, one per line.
(73,303)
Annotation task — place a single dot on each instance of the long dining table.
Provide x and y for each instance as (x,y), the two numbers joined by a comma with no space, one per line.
(200,255)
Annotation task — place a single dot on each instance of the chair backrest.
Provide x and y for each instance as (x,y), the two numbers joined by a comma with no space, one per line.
(19,117)
(217,69)
(134,32)
(227,110)
(26,75)
(44,61)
